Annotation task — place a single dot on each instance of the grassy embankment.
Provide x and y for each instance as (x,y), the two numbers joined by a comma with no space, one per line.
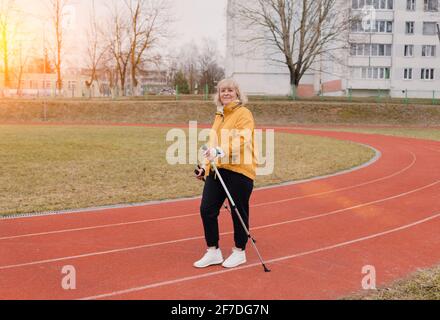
(265,112)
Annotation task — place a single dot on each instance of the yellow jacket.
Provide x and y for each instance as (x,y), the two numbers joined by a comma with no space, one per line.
(234,131)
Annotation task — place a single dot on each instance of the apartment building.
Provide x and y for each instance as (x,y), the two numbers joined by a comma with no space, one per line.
(399,52)
(393,49)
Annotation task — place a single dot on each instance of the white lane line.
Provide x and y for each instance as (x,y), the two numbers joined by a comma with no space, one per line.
(345,209)
(254,265)
(344,188)
(414,160)
(226,233)
(435,150)
(96,227)
(100,253)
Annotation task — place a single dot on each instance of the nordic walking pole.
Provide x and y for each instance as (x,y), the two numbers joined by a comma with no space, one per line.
(234,208)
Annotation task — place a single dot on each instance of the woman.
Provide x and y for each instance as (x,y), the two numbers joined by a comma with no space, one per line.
(231,146)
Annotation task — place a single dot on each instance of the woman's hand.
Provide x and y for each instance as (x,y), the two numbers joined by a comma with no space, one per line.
(213,153)
(200,173)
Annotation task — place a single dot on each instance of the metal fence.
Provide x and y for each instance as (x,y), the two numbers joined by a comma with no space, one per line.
(379,96)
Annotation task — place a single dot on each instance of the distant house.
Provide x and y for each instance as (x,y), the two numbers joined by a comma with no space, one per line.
(44,84)
(153,80)
(33,82)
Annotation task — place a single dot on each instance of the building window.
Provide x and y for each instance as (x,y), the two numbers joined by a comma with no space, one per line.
(388,50)
(380,26)
(389,26)
(381,49)
(367,49)
(356,26)
(355,4)
(71,85)
(384,26)
(431,5)
(360,50)
(427,74)
(382,73)
(409,27)
(409,50)
(374,49)
(429,28)
(353,48)
(377,4)
(407,74)
(428,51)
(411,5)
(384,50)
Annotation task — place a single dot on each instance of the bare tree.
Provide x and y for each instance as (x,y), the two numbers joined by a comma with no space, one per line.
(199,65)
(58,17)
(135,29)
(210,70)
(119,45)
(186,60)
(149,21)
(296,33)
(7,11)
(109,71)
(22,49)
(97,48)
(23,58)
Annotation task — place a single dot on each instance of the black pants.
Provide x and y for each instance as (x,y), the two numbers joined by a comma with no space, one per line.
(240,187)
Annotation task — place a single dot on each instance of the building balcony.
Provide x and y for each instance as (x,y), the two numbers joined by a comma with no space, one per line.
(361,61)
(362,37)
(369,84)
(381,14)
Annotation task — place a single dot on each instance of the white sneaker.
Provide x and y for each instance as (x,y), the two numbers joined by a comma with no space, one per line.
(213,256)
(237,258)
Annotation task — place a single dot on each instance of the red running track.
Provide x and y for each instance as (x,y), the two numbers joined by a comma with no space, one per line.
(316,236)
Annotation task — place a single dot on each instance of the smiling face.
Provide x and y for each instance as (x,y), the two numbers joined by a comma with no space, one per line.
(227,95)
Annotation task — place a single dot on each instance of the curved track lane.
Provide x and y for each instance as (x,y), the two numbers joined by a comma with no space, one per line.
(316,236)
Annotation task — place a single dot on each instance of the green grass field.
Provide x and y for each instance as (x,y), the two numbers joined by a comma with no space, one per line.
(45,168)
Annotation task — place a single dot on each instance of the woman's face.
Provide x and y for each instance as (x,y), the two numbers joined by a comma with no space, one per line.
(227,95)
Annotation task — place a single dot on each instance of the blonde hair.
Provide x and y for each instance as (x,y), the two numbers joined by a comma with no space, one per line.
(229,83)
